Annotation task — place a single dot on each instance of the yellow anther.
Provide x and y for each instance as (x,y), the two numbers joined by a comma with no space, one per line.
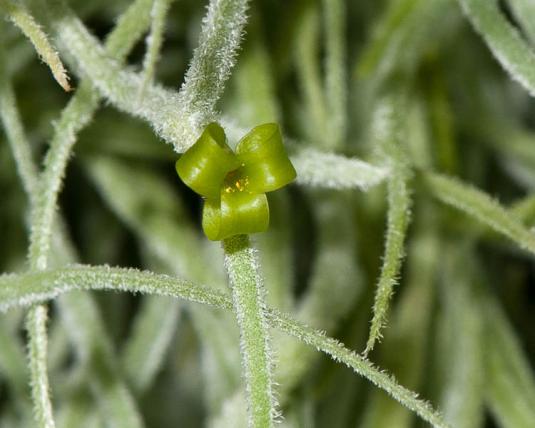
(235,184)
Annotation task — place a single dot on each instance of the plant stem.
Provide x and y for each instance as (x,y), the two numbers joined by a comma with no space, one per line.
(177,118)
(29,288)
(18,14)
(504,40)
(37,346)
(37,351)
(154,41)
(37,315)
(308,70)
(12,123)
(336,75)
(213,60)
(480,206)
(389,127)
(359,364)
(43,196)
(248,296)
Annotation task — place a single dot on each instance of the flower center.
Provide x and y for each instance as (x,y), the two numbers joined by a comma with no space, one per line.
(234,182)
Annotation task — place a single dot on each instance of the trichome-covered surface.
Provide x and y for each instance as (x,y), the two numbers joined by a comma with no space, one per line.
(394,287)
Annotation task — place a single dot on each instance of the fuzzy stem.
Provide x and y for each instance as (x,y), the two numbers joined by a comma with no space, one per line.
(336,75)
(308,71)
(18,14)
(37,315)
(480,206)
(359,364)
(43,196)
(29,288)
(37,351)
(390,134)
(213,60)
(248,296)
(10,117)
(177,118)
(37,318)
(154,42)
(74,118)
(504,40)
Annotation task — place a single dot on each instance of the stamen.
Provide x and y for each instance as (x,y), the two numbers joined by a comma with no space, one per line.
(235,185)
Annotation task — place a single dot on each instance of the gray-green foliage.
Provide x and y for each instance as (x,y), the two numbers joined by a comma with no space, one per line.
(405,132)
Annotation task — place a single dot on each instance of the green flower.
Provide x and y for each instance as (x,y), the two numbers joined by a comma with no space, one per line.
(234,184)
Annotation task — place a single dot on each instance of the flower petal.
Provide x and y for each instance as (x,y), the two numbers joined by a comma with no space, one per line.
(204,165)
(264,159)
(235,213)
